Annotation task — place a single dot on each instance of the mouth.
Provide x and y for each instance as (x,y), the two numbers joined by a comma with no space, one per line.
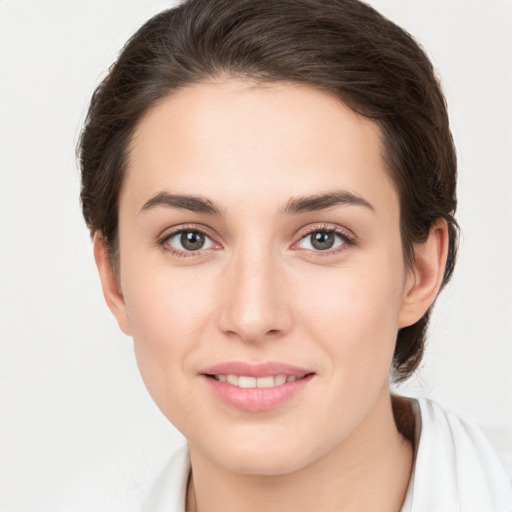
(257,387)
(248,382)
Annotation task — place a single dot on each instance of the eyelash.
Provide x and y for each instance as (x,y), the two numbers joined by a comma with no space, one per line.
(347,238)
(163,241)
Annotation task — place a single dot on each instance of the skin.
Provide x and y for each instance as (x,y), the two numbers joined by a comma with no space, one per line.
(260,291)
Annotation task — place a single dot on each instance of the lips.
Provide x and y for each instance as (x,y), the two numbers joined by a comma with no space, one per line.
(246,381)
(259,387)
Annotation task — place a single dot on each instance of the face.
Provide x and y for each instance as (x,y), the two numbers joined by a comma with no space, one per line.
(261,271)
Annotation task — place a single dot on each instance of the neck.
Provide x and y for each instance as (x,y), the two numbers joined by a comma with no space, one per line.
(369,470)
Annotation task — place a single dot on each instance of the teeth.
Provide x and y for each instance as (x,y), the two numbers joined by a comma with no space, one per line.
(232,379)
(247,382)
(267,382)
(280,379)
(244,381)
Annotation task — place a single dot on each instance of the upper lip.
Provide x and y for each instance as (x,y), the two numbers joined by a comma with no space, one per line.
(256,370)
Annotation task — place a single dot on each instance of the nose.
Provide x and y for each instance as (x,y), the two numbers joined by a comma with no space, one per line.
(254,305)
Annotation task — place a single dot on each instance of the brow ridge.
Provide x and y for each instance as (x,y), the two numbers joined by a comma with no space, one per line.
(195,204)
(323,201)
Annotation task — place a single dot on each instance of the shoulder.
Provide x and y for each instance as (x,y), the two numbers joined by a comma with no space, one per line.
(168,493)
(456,467)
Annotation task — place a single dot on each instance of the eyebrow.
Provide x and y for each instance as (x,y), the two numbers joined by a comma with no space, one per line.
(323,201)
(296,205)
(195,204)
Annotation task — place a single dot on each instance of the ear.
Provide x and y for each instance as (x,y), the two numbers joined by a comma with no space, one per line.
(425,277)
(110,284)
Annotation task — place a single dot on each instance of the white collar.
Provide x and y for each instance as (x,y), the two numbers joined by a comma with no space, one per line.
(455,469)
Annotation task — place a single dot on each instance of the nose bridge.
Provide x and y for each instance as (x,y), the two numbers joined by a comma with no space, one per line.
(254,308)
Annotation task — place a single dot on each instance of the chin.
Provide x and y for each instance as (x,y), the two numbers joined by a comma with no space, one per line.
(262,465)
(262,457)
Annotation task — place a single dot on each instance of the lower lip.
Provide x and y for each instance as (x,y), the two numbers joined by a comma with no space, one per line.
(257,399)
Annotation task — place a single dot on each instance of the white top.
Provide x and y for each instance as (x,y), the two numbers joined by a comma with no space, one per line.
(455,469)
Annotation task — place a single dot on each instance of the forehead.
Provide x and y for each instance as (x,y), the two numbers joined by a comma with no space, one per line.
(234,139)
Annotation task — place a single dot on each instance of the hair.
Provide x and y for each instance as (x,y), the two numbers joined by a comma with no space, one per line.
(342,47)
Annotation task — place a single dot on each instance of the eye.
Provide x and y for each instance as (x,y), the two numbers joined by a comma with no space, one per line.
(322,240)
(188,241)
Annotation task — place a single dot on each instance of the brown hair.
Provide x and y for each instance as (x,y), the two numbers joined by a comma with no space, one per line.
(343,47)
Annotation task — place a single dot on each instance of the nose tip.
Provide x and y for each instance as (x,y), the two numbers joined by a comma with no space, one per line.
(254,307)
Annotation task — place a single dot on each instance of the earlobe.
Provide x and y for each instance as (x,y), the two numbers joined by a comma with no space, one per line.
(110,284)
(426,274)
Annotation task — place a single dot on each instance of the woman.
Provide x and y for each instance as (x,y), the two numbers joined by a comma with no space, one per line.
(270,186)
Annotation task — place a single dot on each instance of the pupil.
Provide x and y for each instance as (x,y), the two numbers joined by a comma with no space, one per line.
(192,240)
(322,240)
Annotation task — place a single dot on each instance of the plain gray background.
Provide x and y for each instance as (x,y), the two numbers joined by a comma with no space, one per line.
(78,431)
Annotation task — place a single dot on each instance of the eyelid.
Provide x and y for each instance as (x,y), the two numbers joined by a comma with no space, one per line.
(348,237)
(170,232)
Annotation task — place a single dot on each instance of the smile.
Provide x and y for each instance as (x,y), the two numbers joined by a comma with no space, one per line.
(246,381)
(257,387)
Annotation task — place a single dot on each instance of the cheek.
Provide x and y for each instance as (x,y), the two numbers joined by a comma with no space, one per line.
(354,315)
(165,303)
(168,315)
